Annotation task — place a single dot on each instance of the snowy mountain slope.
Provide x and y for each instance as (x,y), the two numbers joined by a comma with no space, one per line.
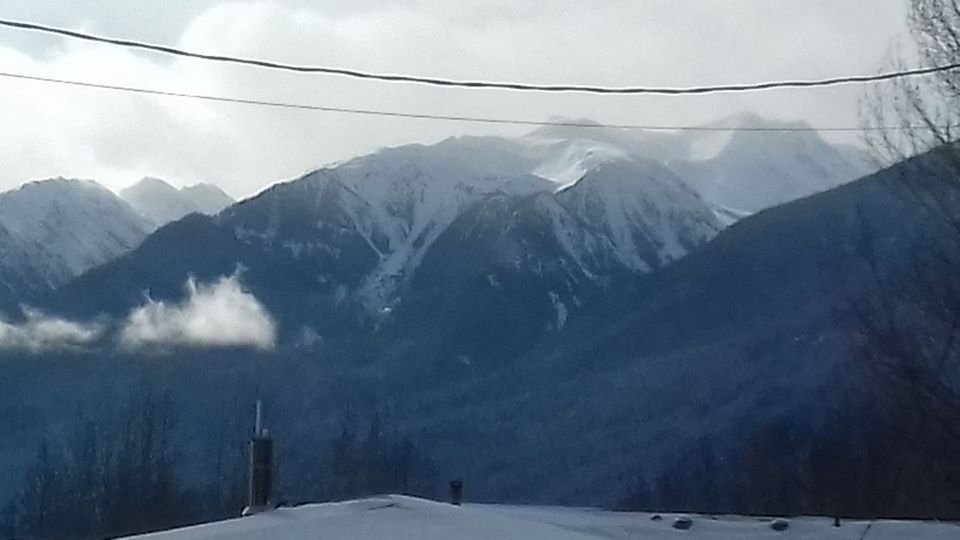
(398,201)
(53,230)
(413,193)
(162,203)
(17,280)
(207,198)
(649,215)
(526,265)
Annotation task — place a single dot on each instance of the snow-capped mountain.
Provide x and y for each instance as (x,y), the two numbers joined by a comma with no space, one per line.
(563,211)
(208,198)
(444,236)
(53,230)
(588,204)
(162,203)
(606,210)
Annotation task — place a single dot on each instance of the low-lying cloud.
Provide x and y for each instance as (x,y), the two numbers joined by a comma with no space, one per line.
(220,314)
(40,332)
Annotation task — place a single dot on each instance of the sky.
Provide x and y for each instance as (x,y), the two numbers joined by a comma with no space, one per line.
(116,139)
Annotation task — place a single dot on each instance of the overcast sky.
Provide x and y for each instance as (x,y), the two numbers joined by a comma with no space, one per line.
(118,138)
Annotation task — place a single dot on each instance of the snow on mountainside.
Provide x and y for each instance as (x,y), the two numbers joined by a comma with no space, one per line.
(53,230)
(162,203)
(605,202)
(400,200)
(648,214)
(615,200)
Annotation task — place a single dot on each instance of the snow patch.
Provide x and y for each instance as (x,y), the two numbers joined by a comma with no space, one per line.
(309,338)
(567,162)
(560,308)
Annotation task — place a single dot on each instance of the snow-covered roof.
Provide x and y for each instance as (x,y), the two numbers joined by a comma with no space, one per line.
(400,518)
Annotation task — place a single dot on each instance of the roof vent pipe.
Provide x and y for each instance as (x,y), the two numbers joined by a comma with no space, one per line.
(261,467)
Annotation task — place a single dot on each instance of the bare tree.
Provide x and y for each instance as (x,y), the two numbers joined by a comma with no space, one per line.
(908,314)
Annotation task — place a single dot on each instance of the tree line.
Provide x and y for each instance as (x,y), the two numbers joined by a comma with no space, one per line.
(870,459)
(126,474)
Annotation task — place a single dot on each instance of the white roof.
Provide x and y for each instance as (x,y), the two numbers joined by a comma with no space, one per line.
(400,518)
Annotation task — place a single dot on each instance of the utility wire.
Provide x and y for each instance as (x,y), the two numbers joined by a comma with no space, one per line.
(451,118)
(434,81)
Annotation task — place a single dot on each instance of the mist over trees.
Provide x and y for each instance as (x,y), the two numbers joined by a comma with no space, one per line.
(109,476)
(861,462)
(126,473)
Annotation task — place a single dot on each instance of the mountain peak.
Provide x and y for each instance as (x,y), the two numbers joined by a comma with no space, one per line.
(57,183)
(208,198)
(148,186)
(61,227)
(162,203)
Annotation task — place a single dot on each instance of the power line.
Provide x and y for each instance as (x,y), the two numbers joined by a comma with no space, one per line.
(451,118)
(434,81)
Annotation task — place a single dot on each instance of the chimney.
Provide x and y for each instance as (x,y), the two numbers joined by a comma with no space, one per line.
(456,492)
(261,466)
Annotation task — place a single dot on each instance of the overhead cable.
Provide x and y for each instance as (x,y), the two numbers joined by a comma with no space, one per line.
(517,86)
(451,118)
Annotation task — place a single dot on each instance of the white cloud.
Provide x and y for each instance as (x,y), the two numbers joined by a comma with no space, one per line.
(221,314)
(40,332)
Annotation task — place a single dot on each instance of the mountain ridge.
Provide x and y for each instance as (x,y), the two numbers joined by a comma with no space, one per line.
(58,228)
(161,203)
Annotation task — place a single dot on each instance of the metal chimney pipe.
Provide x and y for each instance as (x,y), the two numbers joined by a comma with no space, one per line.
(261,466)
(456,492)
(258,423)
